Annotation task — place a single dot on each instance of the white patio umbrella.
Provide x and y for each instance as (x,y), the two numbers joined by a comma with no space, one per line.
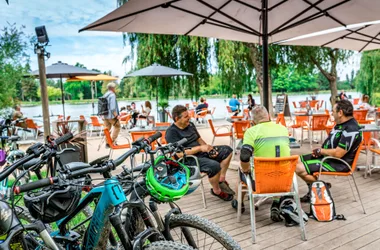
(360,38)
(254,21)
(158,70)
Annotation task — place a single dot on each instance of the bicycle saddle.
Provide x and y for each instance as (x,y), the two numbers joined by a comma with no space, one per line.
(14,138)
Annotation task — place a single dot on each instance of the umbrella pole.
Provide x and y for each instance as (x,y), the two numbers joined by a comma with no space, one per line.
(63,99)
(265,54)
(92,96)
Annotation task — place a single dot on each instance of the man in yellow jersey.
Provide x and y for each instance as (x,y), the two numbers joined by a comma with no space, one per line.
(265,139)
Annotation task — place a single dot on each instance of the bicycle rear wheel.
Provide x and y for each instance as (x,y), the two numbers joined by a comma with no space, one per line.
(199,233)
(167,245)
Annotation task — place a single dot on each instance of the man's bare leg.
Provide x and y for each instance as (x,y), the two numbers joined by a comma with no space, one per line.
(224,166)
(214,181)
(301,172)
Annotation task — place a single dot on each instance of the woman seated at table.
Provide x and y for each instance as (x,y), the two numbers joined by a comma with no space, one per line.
(144,112)
(365,105)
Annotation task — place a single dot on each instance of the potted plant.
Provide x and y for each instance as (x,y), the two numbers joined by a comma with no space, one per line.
(161,110)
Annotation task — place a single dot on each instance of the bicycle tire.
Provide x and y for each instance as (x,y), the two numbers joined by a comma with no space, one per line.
(167,245)
(186,221)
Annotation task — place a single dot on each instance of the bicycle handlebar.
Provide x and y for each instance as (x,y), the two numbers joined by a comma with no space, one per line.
(34,151)
(111,164)
(36,184)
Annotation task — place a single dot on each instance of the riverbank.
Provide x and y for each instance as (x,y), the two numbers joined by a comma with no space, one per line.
(89,101)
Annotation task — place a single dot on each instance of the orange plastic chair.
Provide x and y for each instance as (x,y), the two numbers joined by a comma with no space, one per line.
(137,135)
(348,174)
(60,117)
(301,122)
(318,123)
(216,134)
(30,124)
(374,149)
(303,104)
(361,115)
(314,104)
(68,118)
(273,177)
(195,104)
(163,124)
(202,114)
(96,124)
(124,120)
(81,117)
(294,105)
(281,119)
(112,144)
(355,101)
(229,111)
(239,128)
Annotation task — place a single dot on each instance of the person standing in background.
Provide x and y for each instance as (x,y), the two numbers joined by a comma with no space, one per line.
(111,120)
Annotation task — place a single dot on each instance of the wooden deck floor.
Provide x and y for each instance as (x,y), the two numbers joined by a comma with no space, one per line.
(359,231)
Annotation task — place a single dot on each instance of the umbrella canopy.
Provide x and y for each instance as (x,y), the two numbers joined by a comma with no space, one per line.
(93,78)
(158,70)
(360,39)
(64,70)
(100,77)
(240,20)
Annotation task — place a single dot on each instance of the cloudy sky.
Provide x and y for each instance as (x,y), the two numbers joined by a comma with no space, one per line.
(96,50)
(100,50)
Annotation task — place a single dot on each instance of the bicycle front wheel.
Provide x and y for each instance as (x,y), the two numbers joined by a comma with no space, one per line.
(199,233)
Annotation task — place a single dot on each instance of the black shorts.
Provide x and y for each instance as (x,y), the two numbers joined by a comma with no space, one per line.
(211,166)
(313,164)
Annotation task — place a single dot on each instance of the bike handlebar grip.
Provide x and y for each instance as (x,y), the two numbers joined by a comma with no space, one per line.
(35,185)
(154,137)
(63,138)
(180,142)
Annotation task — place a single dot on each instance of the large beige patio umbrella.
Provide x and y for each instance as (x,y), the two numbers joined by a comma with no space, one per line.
(254,21)
(360,38)
(93,80)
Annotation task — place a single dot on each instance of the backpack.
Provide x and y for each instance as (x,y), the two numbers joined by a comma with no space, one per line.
(322,206)
(103,106)
(288,210)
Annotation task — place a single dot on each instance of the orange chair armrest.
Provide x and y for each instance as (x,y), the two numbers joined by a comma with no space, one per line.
(224,134)
(123,146)
(333,173)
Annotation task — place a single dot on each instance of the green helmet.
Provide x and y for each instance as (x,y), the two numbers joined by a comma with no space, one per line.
(167,180)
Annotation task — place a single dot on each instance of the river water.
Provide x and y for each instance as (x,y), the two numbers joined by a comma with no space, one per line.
(75,111)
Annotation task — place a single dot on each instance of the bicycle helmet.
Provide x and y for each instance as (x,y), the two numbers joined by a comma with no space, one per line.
(167,180)
(195,179)
(53,203)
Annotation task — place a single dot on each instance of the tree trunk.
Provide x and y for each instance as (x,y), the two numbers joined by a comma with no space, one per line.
(257,64)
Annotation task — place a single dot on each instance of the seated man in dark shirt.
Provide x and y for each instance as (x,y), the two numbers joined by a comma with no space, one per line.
(342,142)
(215,164)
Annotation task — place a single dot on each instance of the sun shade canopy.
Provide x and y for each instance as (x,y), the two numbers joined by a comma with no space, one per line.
(64,70)
(100,77)
(158,70)
(360,39)
(238,20)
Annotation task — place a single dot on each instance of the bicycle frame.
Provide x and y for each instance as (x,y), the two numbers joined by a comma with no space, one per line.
(110,195)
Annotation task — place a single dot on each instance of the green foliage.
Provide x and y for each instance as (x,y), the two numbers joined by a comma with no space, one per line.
(287,79)
(13,61)
(53,93)
(368,76)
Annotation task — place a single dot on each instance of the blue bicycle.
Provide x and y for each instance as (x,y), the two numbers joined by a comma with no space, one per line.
(60,200)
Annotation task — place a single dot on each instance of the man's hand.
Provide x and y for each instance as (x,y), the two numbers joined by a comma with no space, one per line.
(206,148)
(317,152)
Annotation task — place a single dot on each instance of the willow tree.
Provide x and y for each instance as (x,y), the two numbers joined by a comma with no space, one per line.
(190,54)
(323,59)
(369,73)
